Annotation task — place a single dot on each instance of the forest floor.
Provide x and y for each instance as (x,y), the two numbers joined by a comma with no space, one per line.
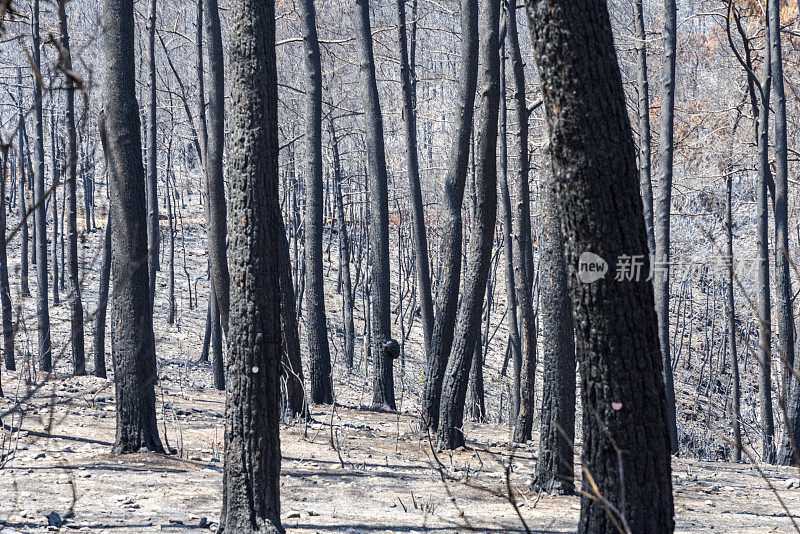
(346,470)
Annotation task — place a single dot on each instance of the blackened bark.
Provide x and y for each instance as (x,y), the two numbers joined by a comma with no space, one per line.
(344,255)
(453,198)
(555,473)
(412,162)
(662,208)
(201,85)
(55,153)
(789,453)
(251,485)
(643,115)
(523,256)
(730,312)
(5,288)
(216,208)
(597,190)
(291,365)
(768,452)
(76,337)
(316,320)
(385,349)
(132,341)
(102,305)
(23,202)
(217,362)
(514,343)
(479,252)
(40,212)
(153,231)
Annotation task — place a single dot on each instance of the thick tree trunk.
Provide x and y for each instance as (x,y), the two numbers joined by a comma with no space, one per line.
(453,197)
(251,485)
(40,218)
(385,349)
(76,337)
(554,468)
(597,190)
(643,116)
(412,162)
(479,253)
(132,340)
(216,208)
(662,208)
(316,320)
(153,231)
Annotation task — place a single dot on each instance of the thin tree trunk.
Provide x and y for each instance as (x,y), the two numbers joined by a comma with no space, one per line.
(251,475)
(730,309)
(40,218)
(55,151)
(595,181)
(74,290)
(291,365)
(316,320)
(479,254)
(132,340)
(153,231)
(105,276)
(523,260)
(23,202)
(662,208)
(768,452)
(216,208)
(5,288)
(789,453)
(412,162)
(452,234)
(385,348)
(643,115)
(344,255)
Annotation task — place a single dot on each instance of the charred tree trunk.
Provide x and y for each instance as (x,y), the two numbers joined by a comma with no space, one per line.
(452,234)
(730,309)
(412,162)
(344,255)
(251,485)
(132,340)
(291,365)
(555,473)
(23,202)
(105,276)
(5,288)
(789,453)
(523,255)
(597,190)
(768,451)
(153,231)
(316,320)
(479,253)
(40,218)
(385,349)
(643,115)
(76,337)
(662,208)
(216,208)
